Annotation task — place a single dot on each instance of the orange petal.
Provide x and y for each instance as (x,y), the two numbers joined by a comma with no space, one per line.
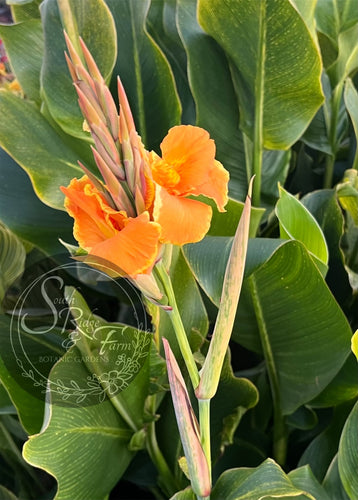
(215,185)
(182,220)
(188,166)
(95,220)
(134,249)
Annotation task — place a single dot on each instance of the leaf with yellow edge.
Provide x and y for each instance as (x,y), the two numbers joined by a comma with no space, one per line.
(354,344)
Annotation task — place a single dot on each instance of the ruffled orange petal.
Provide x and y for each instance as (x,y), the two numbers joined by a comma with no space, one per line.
(215,185)
(134,249)
(95,220)
(182,220)
(188,165)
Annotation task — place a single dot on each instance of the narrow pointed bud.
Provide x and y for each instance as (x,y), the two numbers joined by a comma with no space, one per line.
(76,60)
(124,105)
(116,167)
(108,143)
(234,275)
(188,427)
(91,64)
(93,116)
(115,188)
(71,68)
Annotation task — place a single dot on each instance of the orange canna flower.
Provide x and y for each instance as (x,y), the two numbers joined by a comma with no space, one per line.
(130,243)
(187,168)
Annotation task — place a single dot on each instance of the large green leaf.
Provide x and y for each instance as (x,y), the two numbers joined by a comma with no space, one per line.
(296,222)
(277,71)
(25,214)
(268,481)
(348,455)
(335,16)
(332,482)
(347,60)
(36,147)
(12,259)
(304,479)
(77,443)
(24,46)
(90,19)
(285,298)
(145,73)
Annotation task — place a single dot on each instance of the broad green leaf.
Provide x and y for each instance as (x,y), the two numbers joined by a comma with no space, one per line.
(162,25)
(24,46)
(322,449)
(145,73)
(74,435)
(347,192)
(186,494)
(5,494)
(296,223)
(26,216)
(348,455)
(12,259)
(344,386)
(24,11)
(347,60)
(37,148)
(90,19)
(268,481)
(332,482)
(225,223)
(216,103)
(117,354)
(335,16)
(307,11)
(304,479)
(277,72)
(22,372)
(285,295)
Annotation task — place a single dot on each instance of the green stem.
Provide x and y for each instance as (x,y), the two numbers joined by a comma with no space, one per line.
(166,479)
(279,431)
(259,106)
(178,325)
(332,135)
(204,419)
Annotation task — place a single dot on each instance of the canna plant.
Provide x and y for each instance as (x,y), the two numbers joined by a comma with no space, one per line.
(198,341)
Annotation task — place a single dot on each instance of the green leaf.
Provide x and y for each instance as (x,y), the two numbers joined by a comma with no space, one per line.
(116,354)
(284,65)
(24,10)
(90,19)
(304,479)
(347,192)
(332,482)
(267,481)
(225,223)
(344,386)
(26,216)
(304,324)
(5,494)
(347,60)
(24,46)
(37,148)
(12,259)
(335,16)
(73,435)
(322,449)
(348,455)
(351,102)
(296,223)
(145,73)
